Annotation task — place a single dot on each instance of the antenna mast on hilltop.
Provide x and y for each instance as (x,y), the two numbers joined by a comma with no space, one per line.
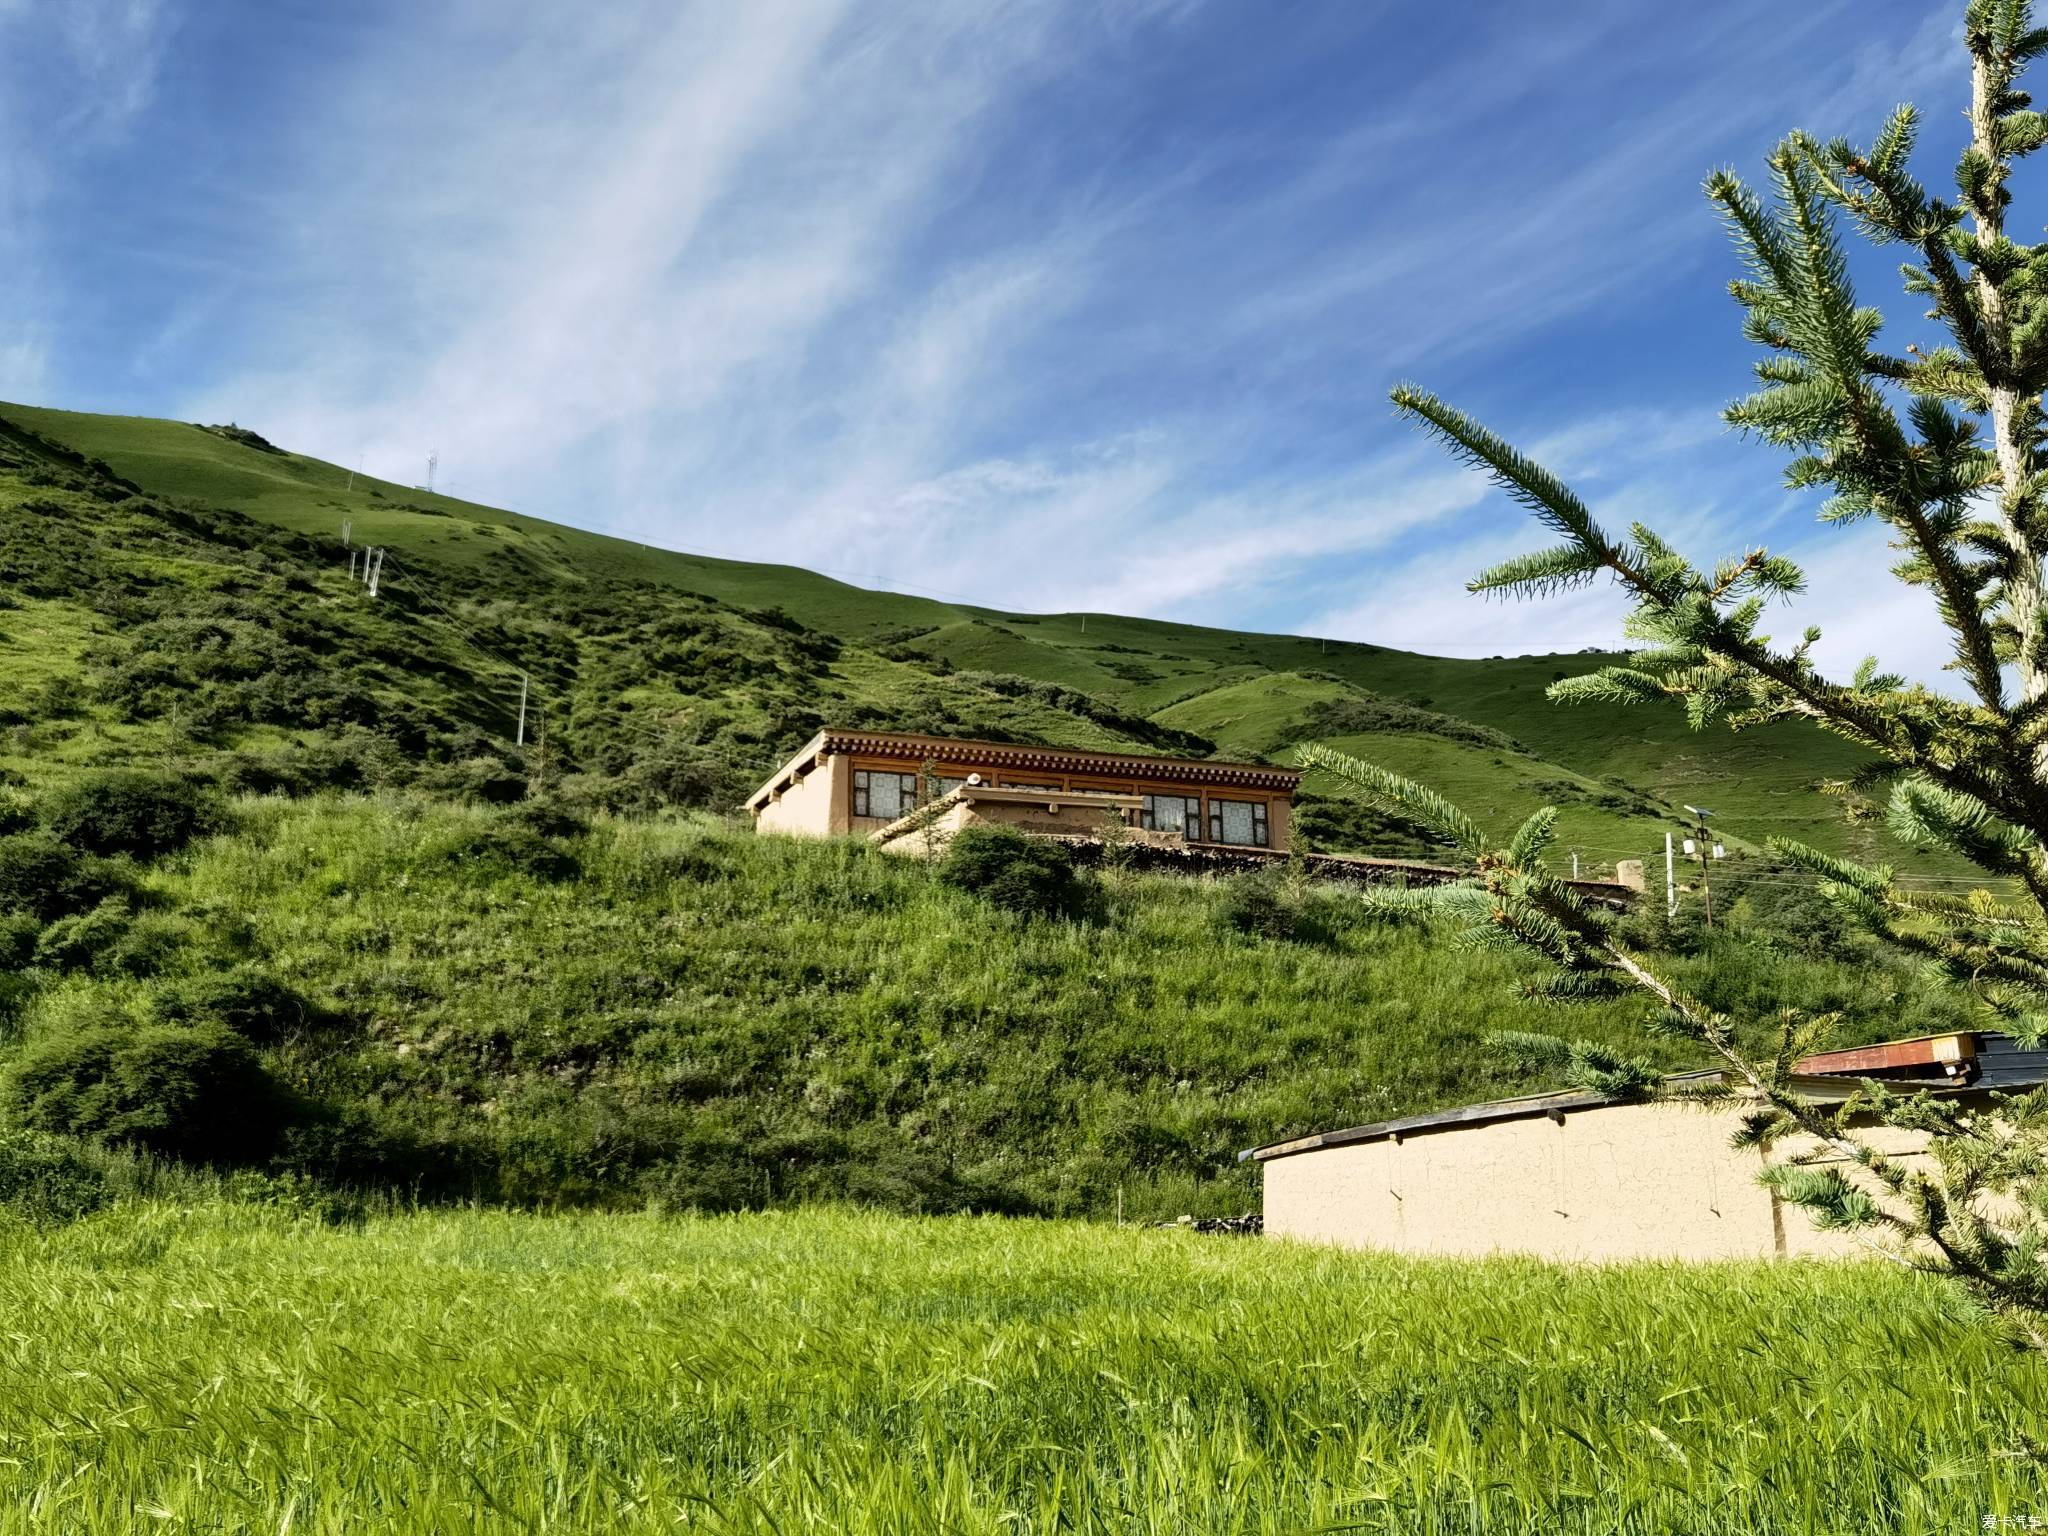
(433,461)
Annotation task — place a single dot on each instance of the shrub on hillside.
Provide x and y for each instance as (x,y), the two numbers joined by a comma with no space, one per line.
(47,879)
(132,811)
(76,942)
(510,846)
(1031,875)
(187,1091)
(711,1171)
(348,759)
(18,934)
(1267,903)
(477,778)
(550,816)
(47,1182)
(248,999)
(17,811)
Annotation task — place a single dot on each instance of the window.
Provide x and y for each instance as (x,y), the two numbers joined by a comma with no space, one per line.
(1172,813)
(1238,821)
(886,795)
(944,786)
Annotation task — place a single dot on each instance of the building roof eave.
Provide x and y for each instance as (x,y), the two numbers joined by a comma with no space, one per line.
(1557,1103)
(1025,755)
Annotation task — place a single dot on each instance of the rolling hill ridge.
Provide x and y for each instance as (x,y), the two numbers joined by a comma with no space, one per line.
(772,651)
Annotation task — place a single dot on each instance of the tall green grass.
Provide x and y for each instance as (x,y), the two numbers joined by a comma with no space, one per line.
(223,1370)
(702,1016)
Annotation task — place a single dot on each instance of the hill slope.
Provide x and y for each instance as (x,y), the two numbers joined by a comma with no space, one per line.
(256,822)
(1619,773)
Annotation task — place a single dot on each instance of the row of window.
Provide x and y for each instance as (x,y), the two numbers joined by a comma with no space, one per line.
(1243,822)
(1230,821)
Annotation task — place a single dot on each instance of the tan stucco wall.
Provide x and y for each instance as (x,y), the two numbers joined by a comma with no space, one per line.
(821,803)
(1070,820)
(817,805)
(1622,1182)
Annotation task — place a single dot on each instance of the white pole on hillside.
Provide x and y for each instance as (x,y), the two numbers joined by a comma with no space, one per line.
(347,528)
(1670,881)
(522,709)
(376,568)
(1575,863)
(351,565)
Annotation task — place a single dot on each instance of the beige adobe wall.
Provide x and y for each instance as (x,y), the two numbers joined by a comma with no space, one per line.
(1070,820)
(817,805)
(1279,823)
(1627,1181)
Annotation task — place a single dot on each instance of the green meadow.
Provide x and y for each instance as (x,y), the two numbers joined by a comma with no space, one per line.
(223,1369)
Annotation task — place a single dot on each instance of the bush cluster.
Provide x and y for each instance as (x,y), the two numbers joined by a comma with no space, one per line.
(1027,875)
(46,1181)
(193,1091)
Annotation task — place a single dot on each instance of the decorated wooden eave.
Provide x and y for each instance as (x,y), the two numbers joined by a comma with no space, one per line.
(1016,755)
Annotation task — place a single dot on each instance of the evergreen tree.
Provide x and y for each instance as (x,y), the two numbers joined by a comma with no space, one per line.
(1948,447)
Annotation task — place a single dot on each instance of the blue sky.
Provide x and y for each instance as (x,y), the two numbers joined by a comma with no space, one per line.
(1048,305)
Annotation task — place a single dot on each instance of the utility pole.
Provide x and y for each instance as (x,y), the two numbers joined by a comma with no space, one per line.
(522,709)
(1698,843)
(1670,881)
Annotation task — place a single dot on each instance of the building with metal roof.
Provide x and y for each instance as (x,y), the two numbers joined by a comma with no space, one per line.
(1576,1176)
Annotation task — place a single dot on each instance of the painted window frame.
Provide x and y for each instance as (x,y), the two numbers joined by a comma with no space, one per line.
(1191,813)
(1261,824)
(863,793)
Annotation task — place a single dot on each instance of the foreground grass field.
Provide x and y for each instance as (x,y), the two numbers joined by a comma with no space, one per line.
(231,1370)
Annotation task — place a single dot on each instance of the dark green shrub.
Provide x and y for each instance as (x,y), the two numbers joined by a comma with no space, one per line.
(1267,903)
(711,1171)
(44,1181)
(132,811)
(511,847)
(547,816)
(248,999)
(150,946)
(47,879)
(18,934)
(17,812)
(77,942)
(1257,903)
(1031,875)
(189,1091)
(477,778)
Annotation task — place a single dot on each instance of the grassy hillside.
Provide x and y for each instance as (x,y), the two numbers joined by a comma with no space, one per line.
(477,1001)
(224,1370)
(1622,772)
(262,836)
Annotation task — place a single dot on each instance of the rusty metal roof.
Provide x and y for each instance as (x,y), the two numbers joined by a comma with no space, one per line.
(1987,1059)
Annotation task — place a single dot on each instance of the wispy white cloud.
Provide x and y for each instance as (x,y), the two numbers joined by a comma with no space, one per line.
(1058,305)
(1662,471)
(98,60)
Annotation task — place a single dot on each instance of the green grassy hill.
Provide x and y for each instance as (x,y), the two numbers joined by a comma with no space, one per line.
(265,836)
(909,660)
